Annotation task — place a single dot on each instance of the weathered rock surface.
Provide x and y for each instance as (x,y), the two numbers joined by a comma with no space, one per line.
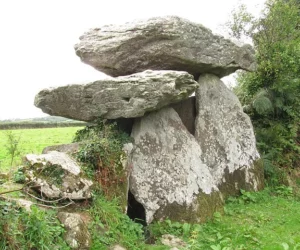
(128,96)
(226,137)
(77,234)
(26,204)
(163,43)
(172,241)
(70,148)
(168,177)
(117,247)
(3,178)
(186,110)
(56,175)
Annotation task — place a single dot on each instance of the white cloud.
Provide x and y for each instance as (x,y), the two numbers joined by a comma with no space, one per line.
(37,39)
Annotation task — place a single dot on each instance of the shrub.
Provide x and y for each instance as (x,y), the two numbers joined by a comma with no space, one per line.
(102,152)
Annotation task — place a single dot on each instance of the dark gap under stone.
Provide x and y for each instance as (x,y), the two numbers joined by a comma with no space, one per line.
(135,210)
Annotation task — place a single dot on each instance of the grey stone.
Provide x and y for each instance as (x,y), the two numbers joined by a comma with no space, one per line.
(172,241)
(186,110)
(226,137)
(4,177)
(168,177)
(77,235)
(70,148)
(162,43)
(117,247)
(128,96)
(26,204)
(56,175)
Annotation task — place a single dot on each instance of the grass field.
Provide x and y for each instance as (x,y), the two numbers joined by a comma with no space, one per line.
(33,141)
(267,220)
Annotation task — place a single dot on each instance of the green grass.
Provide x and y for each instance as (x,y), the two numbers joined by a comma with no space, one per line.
(267,221)
(33,141)
(110,226)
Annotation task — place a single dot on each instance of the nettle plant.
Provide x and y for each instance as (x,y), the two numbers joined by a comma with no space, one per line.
(102,153)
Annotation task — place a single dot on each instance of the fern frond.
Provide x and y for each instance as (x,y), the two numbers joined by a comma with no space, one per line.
(262,105)
(279,102)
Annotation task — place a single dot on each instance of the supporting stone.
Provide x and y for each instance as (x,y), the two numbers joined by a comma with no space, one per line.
(168,176)
(226,137)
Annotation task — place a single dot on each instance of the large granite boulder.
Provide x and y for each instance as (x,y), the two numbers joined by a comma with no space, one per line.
(168,176)
(163,43)
(55,175)
(128,96)
(226,137)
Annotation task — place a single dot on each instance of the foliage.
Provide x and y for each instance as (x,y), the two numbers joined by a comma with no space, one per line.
(102,152)
(271,94)
(284,191)
(169,227)
(240,25)
(33,141)
(110,226)
(12,146)
(52,174)
(19,176)
(38,229)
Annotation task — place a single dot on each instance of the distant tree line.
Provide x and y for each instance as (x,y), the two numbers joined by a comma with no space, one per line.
(29,125)
(40,122)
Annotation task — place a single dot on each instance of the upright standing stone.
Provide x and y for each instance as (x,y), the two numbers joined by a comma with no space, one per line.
(168,176)
(226,137)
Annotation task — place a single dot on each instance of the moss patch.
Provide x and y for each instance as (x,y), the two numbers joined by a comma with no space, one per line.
(201,210)
(53,175)
(237,180)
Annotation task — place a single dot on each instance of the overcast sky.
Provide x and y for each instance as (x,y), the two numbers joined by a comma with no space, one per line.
(37,39)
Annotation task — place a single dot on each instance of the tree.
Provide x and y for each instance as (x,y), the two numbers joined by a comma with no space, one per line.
(271,94)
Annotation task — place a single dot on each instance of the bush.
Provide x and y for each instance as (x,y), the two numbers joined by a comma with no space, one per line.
(19,176)
(270,95)
(102,153)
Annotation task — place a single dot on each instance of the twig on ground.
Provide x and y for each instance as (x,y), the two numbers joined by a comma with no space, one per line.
(37,198)
(10,191)
(54,207)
